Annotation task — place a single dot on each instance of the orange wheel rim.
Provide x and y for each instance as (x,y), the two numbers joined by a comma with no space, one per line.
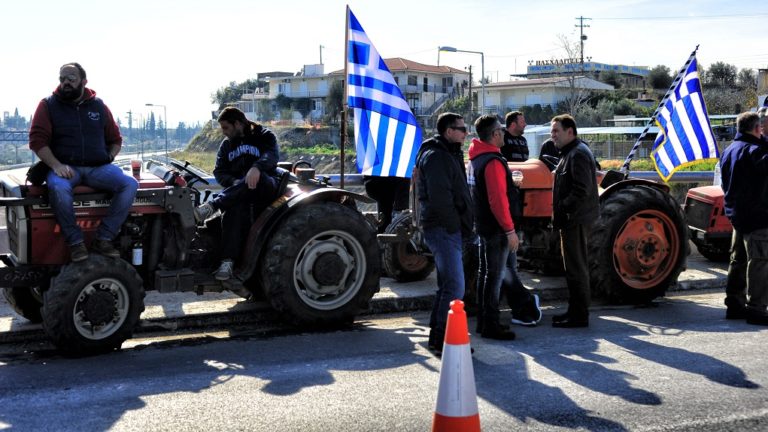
(645,249)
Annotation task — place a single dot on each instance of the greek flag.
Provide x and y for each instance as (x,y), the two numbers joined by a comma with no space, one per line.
(685,135)
(387,136)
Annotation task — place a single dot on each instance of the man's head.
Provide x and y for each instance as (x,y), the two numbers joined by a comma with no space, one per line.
(748,123)
(515,123)
(451,127)
(233,122)
(563,130)
(72,81)
(763,114)
(490,130)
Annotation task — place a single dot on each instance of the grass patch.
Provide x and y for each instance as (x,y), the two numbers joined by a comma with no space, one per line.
(204,160)
(647,165)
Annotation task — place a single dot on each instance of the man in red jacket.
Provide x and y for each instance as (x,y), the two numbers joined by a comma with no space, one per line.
(74,133)
(490,183)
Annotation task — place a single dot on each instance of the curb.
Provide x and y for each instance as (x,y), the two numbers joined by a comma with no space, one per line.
(262,315)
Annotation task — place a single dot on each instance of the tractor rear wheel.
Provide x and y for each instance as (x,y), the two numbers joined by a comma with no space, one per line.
(26,301)
(322,266)
(92,306)
(401,260)
(638,246)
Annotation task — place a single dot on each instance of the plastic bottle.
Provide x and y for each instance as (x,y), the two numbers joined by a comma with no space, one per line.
(138,254)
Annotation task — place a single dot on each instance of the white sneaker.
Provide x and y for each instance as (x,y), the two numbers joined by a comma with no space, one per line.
(225,270)
(203,212)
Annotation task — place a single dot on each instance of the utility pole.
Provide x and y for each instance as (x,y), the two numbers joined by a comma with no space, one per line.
(471,98)
(582,38)
(321,54)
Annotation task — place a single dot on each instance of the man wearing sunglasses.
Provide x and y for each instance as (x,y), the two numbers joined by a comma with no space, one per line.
(74,134)
(444,214)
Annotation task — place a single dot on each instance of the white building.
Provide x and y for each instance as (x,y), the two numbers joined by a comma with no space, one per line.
(507,96)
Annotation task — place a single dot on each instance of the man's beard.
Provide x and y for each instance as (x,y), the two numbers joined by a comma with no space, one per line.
(69,93)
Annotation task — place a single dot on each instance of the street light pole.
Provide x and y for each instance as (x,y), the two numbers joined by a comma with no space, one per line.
(482,70)
(165,124)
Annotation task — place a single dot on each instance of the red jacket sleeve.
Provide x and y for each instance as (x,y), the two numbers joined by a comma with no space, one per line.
(496,184)
(40,130)
(111,130)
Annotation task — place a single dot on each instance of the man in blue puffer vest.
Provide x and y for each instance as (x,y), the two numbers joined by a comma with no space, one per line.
(74,133)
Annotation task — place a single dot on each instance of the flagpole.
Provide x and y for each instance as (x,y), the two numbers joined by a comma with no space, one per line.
(680,76)
(344,104)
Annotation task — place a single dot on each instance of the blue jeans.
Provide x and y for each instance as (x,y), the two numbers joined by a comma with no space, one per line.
(494,251)
(446,249)
(109,178)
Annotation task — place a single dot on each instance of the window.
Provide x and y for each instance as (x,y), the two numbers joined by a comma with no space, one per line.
(426,85)
(413,80)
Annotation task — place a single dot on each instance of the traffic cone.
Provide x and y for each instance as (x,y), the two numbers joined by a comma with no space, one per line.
(456,408)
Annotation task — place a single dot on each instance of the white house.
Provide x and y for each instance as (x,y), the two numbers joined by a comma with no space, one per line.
(511,95)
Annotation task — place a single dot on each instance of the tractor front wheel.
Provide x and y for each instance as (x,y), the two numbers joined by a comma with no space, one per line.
(93,305)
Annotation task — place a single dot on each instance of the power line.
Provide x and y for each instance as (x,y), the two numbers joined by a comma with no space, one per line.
(685,17)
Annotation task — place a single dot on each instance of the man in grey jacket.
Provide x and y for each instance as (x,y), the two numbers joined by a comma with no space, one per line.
(575,208)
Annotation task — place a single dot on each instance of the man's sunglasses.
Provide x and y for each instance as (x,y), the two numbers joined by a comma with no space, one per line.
(70,78)
(459,128)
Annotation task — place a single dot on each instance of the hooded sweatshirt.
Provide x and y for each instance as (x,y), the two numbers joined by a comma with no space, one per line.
(490,191)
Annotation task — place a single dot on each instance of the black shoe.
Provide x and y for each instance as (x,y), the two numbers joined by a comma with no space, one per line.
(735,313)
(436,339)
(530,315)
(757,319)
(105,248)
(569,322)
(498,332)
(560,318)
(78,252)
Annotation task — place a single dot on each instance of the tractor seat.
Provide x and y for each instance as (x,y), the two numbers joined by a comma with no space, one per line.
(40,191)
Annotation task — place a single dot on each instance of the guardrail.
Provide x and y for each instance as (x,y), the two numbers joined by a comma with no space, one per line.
(679,177)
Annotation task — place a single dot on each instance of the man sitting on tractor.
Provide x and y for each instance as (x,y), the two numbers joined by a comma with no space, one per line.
(73,132)
(246,167)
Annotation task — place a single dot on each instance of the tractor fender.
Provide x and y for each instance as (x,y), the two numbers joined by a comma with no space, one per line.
(266,223)
(610,190)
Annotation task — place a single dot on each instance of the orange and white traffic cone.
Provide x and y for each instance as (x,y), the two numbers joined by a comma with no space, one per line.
(456,408)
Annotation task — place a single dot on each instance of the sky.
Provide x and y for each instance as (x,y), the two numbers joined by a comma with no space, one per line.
(178,52)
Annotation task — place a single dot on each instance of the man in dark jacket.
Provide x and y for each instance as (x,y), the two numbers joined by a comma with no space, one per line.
(515,148)
(246,168)
(744,168)
(74,133)
(575,208)
(444,214)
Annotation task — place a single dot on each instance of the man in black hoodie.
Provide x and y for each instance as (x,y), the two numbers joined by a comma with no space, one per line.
(246,168)
(445,214)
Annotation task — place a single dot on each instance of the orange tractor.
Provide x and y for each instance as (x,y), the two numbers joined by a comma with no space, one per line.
(637,248)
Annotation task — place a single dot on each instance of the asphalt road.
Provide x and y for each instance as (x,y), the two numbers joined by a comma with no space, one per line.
(678,366)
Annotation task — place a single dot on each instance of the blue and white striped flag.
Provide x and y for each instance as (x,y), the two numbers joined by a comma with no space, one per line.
(685,135)
(387,136)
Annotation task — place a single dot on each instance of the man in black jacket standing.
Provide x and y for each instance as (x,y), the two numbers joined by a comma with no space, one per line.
(445,214)
(744,168)
(246,168)
(575,208)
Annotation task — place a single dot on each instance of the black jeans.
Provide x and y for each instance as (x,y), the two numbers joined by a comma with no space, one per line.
(241,206)
(748,272)
(493,259)
(391,195)
(517,294)
(573,241)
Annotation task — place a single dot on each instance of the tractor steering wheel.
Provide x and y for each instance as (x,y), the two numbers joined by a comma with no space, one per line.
(195,176)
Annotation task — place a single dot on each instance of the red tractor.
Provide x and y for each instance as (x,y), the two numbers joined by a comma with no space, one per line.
(311,254)
(709,228)
(637,248)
